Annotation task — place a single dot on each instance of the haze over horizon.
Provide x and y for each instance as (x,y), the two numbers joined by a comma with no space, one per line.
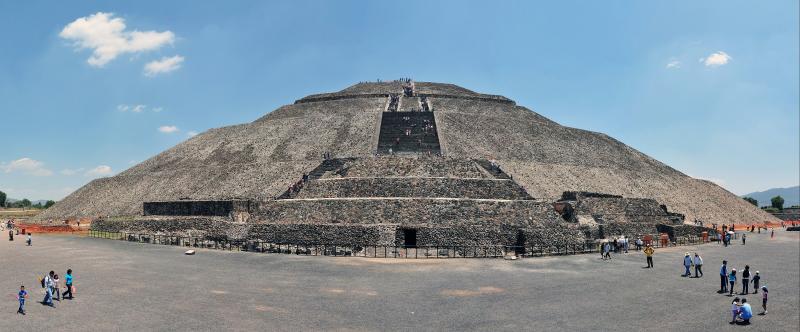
(91,89)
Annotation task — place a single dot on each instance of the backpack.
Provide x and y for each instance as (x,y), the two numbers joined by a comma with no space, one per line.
(42,281)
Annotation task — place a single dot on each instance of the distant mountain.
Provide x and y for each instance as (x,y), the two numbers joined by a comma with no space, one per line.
(791,196)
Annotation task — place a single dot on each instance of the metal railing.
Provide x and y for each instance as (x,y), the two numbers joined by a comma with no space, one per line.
(380,251)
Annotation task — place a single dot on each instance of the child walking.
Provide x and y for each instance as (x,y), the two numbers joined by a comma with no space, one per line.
(732,280)
(22,295)
(57,287)
(764,295)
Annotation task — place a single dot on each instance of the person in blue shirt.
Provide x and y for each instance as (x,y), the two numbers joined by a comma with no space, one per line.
(745,313)
(68,282)
(22,295)
(732,280)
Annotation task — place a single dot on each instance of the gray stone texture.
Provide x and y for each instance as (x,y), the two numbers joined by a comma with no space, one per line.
(413,187)
(405,211)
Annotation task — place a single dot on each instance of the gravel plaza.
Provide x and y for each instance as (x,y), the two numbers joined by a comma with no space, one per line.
(132,286)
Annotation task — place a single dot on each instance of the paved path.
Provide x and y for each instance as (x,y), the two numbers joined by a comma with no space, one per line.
(132,286)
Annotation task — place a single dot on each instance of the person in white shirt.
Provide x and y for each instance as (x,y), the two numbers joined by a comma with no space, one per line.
(698,265)
(48,287)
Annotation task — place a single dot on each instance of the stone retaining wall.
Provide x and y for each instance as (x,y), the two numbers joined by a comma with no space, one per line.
(675,231)
(405,211)
(413,187)
(417,166)
(196,208)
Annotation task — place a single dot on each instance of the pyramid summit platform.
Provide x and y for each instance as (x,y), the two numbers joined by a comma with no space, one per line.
(403,163)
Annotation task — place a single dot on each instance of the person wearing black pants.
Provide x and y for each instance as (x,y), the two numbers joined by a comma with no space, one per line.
(746,279)
(723,277)
(68,279)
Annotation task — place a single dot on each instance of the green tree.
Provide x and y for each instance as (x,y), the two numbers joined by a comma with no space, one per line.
(2,199)
(777,202)
(49,204)
(751,200)
(25,202)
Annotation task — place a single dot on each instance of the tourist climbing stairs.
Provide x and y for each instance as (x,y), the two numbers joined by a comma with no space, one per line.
(328,165)
(408,132)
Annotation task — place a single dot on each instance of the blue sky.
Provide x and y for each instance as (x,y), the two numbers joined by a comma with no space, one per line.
(708,87)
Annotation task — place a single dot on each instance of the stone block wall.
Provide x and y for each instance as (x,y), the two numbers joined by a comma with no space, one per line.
(196,208)
(675,231)
(405,211)
(329,234)
(177,226)
(413,187)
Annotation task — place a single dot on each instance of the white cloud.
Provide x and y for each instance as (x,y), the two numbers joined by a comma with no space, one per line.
(26,166)
(168,129)
(716,59)
(674,64)
(191,133)
(131,108)
(137,108)
(99,171)
(106,35)
(165,65)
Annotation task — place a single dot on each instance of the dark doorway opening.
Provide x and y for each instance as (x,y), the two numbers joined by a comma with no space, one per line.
(519,246)
(410,238)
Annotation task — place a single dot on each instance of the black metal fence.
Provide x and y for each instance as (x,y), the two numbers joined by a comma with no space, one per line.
(379,251)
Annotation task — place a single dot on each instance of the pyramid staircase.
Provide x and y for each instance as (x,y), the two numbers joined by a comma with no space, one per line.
(404,132)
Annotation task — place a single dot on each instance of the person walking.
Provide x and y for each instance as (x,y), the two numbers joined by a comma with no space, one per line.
(29,240)
(648,251)
(744,238)
(68,283)
(732,280)
(56,287)
(772,233)
(698,265)
(723,277)
(638,244)
(607,250)
(746,280)
(764,295)
(48,288)
(22,295)
(756,281)
(687,263)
